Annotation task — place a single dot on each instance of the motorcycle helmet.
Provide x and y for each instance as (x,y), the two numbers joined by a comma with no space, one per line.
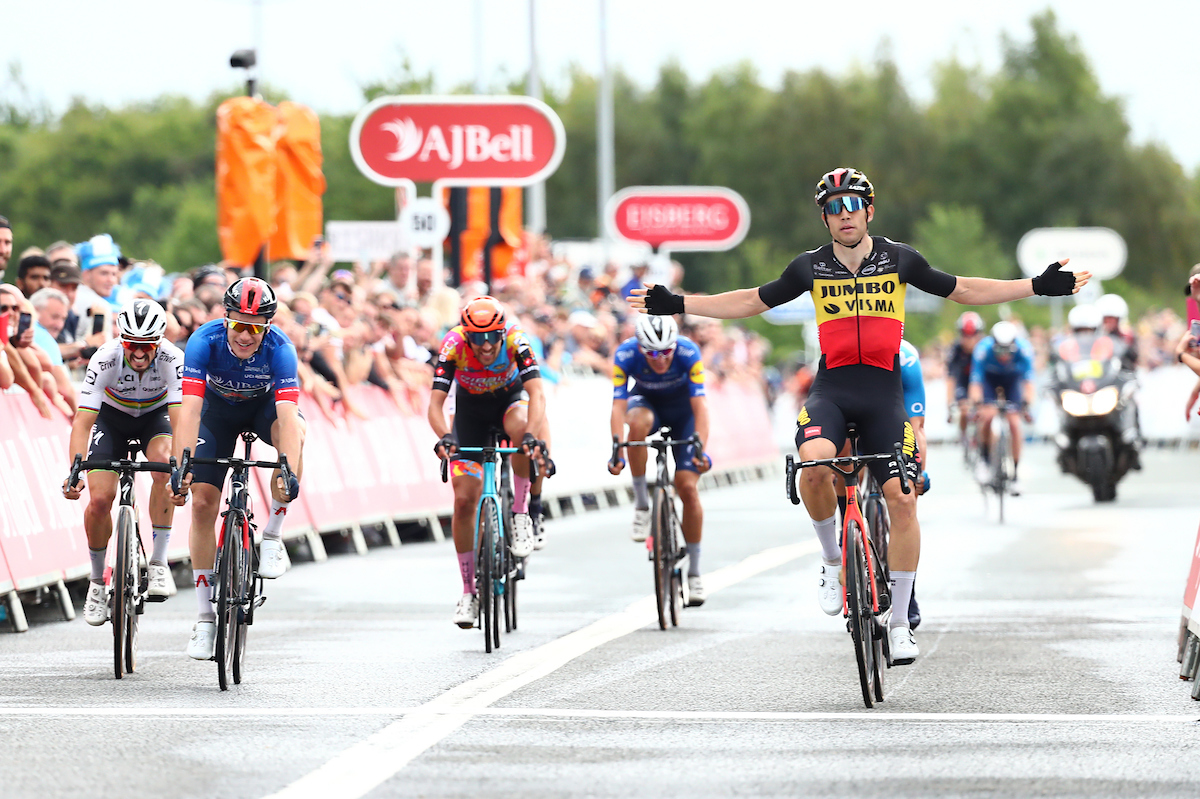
(970,323)
(1084,317)
(1112,305)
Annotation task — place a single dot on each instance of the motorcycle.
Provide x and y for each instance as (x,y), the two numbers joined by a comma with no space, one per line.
(1099,439)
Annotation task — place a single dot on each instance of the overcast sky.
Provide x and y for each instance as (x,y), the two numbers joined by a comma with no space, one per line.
(321,52)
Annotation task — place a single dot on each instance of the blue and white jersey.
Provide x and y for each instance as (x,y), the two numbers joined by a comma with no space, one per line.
(913,380)
(210,363)
(683,378)
(985,364)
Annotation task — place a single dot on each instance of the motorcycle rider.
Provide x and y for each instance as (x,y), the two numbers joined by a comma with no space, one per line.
(1114,315)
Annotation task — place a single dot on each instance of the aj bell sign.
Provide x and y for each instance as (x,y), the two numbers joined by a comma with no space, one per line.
(679,217)
(477,141)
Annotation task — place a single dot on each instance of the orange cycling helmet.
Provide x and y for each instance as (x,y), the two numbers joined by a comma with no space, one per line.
(482,315)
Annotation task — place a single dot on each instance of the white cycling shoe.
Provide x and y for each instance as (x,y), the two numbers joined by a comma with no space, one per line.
(830,595)
(696,595)
(467,611)
(522,540)
(1014,487)
(539,535)
(95,607)
(641,524)
(983,472)
(904,646)
(203,640)
(272,558)
(161,582)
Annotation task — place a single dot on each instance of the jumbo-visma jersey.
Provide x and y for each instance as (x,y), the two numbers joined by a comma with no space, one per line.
(684,377)
(860,315)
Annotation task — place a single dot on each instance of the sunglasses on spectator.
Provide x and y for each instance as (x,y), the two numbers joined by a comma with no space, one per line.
(246,327)
(837,204)
(658,355)
(134,347)
(487,337)
(7,308)
(341,296)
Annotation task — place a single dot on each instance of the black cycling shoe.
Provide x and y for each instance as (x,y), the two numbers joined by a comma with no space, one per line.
(914,612)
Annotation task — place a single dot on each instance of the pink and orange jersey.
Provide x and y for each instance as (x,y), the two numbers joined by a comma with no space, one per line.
(457,362)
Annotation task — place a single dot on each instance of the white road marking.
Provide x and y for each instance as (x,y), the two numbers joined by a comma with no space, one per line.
(362,767)
(586,713)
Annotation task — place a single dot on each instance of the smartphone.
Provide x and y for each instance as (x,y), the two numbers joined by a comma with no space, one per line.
(23,323)
(98,324)
(1196,331)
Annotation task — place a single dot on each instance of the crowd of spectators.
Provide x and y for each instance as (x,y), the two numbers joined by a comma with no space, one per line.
(380,323)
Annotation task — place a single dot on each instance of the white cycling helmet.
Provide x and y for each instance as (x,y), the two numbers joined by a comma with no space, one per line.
(1004,334)
(1084,317)
(1112,305)
(142,320)
(656,333)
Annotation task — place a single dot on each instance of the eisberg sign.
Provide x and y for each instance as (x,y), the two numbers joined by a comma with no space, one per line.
(476,141)
(679,217)
(1098,250)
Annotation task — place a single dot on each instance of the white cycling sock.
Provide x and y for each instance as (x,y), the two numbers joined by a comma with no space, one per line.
(902,586)
(693,551)
(96,556)
(828,536)
(162,537)
(274,528)
(203,578)
(641,495)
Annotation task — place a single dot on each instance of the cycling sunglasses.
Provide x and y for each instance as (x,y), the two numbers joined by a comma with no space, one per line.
(246,327)
(850,203)
(134,347)
(658,355)
(486,337)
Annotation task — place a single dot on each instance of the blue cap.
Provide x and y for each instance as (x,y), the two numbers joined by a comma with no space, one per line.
(98,251)
(587,273)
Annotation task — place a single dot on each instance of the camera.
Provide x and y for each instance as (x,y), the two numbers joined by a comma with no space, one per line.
(243,59)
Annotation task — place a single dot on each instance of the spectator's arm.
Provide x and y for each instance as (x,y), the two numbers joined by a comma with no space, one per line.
(1191,401)
(6,372)
(27,381)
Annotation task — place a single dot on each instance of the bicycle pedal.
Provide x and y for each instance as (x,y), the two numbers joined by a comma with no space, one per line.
(152,598)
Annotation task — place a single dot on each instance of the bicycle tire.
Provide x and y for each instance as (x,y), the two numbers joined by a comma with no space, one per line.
(484,574)
(136,604)
(878,541)
(659,525)
(858,603)
(227,584)
(1000,467)
(676,572)
(510,572)
(245,592)
(124,578)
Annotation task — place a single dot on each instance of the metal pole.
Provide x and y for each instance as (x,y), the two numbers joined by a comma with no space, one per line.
(535,209)
(479,82)
(604,130)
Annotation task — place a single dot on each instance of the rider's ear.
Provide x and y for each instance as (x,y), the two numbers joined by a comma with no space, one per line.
(870,213)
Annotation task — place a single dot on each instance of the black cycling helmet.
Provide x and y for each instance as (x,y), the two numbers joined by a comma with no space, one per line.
(253,296)
(844,180)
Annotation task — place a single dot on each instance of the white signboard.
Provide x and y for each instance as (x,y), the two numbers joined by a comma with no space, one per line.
(1098,250)
(364,241)
(425,222)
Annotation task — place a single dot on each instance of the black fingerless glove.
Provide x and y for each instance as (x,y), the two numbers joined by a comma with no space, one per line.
(661,302)
(447,442)
(1054,282)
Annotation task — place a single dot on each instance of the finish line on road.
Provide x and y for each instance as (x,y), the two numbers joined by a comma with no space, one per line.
(365,765)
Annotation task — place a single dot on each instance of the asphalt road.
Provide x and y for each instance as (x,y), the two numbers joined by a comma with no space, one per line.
(1047,668)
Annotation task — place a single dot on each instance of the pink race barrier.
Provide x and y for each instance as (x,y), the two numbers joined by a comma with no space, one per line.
(740,426)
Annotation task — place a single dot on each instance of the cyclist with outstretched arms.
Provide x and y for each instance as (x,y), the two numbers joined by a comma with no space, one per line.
(239,375)
(858,284)
(499,386)
(668,390)
(131,392)
(1002,363)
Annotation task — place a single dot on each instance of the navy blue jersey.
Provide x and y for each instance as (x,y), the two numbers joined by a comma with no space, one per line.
(684,377)
(210,363)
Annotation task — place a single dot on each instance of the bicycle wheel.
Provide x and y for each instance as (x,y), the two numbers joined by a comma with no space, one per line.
(878,542)
(673,558)
(485,577)
(510,579)
(1000,470)
(228,584)
(137,603)
(858,602)
(245,591)
(124,588)
(660,525)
